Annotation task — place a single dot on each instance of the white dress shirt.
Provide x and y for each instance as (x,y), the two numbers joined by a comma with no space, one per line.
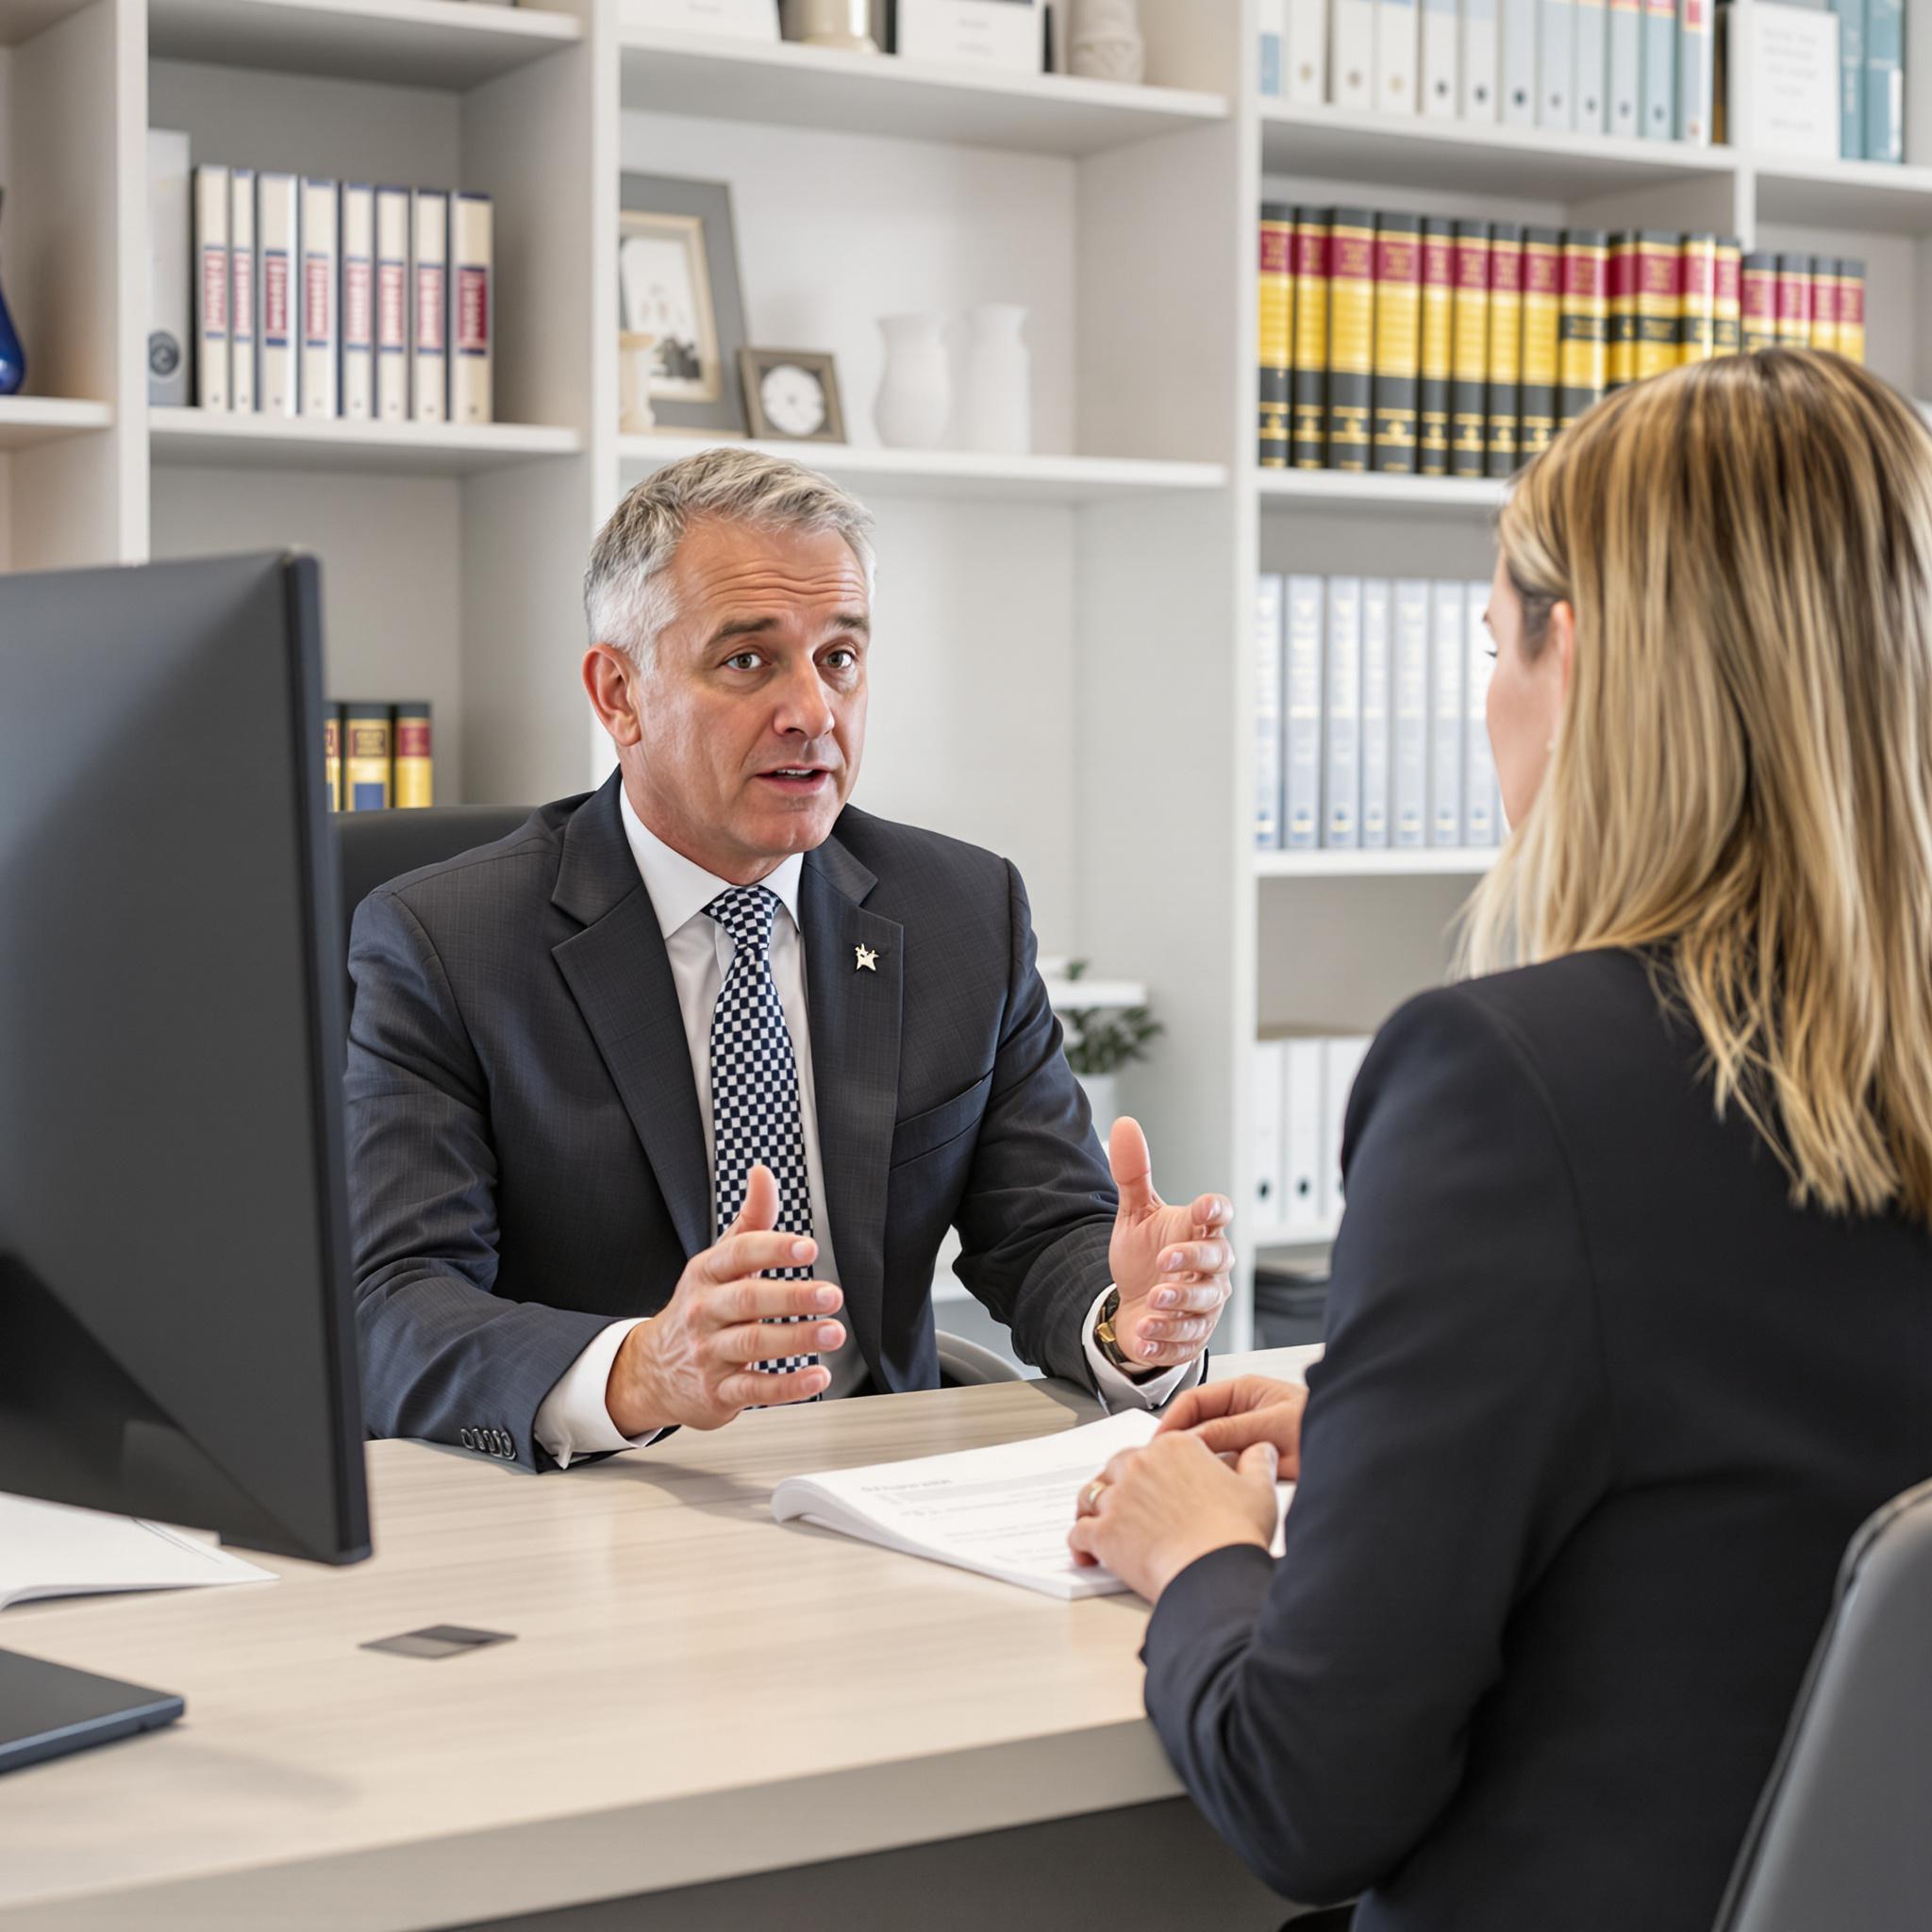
(572,1419)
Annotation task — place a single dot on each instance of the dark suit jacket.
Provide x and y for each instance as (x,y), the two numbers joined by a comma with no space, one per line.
(526,1157)
(1599,1411)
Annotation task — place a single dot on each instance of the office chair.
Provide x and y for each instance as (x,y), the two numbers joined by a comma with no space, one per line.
(1844,1832)
(373,847)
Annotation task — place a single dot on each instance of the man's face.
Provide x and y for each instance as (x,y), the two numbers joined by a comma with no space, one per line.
(752,714)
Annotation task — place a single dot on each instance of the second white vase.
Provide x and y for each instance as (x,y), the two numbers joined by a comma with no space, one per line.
(996,385)
(915,392)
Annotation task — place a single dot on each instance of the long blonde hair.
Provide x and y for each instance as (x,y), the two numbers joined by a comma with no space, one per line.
(1742,779)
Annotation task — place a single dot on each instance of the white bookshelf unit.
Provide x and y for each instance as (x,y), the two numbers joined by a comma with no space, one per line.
(1062,668)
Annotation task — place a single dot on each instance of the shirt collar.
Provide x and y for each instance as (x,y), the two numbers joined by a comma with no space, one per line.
(679,887)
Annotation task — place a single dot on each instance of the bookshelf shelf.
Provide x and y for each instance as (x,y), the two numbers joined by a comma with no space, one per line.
(20,20)
(1079,995)
(200,437)
(25,421)
(1421,862)
(1396,496)
(1421,152)
(879,94)
(938,472)
(445,43)
(1291,1234)
(1871,197)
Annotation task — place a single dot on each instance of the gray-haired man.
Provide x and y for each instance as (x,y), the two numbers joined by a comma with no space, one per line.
(660,1107)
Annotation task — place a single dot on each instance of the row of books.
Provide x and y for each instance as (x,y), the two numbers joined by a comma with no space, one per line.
(1302,1083)
(1869,44)
(1371,725)
(1638,68)
(314,298)
(1422,346)
(375,756)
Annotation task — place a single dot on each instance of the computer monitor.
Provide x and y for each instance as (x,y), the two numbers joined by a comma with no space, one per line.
(176,1337)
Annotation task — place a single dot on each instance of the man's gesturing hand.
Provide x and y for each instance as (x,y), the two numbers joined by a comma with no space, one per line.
(1170,1264)
(691,1363)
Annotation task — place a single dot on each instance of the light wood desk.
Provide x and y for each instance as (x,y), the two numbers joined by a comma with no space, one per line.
(695,1694)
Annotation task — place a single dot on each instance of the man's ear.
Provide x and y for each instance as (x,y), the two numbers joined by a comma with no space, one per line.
(610,677)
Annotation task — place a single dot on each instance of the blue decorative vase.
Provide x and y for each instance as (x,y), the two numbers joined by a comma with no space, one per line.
(13,356)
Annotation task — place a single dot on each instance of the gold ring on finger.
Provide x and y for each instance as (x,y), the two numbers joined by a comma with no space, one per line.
(1089,1496)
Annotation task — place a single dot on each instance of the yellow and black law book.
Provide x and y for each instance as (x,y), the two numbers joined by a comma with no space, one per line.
(1795,301)
(1504,402)
(1398,298)
(1698,299)
(415,768)
(366,750)
(1308,413)
(1582,324)
(1435,362)
(1351,336)
(1469,351)
(1541,301)
(1275,333)
(1658,303)
(1850,311)
(332,755)
(1726,321)
(1758,306)
(1620,357)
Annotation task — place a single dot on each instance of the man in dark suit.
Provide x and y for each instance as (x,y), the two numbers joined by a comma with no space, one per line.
(644,1095)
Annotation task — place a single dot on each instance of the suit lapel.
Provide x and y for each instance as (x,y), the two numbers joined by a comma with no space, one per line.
(619,975)
(856,1015)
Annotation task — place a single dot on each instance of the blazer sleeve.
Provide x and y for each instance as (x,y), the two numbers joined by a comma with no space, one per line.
(1458,1430)
(1039,1208)
(441,1352)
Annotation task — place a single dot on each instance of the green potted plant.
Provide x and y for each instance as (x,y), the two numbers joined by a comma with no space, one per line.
(1100,1041)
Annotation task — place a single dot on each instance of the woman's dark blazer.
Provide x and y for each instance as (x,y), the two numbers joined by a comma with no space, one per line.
(1598,1412)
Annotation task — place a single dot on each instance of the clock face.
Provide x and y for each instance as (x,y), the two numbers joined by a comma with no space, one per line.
(793,399)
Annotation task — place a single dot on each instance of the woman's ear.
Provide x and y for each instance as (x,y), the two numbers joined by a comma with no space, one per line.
(1562,642)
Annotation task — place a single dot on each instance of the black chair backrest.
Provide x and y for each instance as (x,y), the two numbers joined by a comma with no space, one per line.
(373,847)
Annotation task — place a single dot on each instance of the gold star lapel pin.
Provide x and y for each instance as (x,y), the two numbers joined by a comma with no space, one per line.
(867,961)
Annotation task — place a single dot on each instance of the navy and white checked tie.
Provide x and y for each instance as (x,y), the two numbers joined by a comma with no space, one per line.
(755,1084)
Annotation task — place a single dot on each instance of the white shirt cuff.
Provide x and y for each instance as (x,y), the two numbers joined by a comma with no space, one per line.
(1120,1390)
(572,1419)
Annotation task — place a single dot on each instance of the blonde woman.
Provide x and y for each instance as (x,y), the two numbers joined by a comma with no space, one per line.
(1631,1315)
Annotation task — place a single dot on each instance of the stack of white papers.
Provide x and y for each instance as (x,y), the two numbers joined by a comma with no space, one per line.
(1003,1511)
(47,1549)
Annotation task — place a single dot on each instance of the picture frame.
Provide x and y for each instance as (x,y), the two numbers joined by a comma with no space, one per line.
(681,305)
(776,417)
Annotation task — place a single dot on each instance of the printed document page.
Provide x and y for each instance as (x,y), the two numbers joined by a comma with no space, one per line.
(47,1549)
(1003,1511)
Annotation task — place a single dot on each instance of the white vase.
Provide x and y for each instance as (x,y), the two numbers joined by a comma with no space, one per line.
(996,387)
(1102,1091)
(842,25)
(1104,41)
(916,391)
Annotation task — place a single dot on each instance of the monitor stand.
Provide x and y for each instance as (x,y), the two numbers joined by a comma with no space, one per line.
(47,1710)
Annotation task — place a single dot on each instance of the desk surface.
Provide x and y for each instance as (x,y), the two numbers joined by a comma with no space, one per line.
(694,1692)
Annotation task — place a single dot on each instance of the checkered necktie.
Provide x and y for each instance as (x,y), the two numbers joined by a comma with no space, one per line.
(755,1084)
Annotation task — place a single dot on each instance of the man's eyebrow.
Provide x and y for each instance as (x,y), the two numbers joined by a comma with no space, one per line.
(759,627)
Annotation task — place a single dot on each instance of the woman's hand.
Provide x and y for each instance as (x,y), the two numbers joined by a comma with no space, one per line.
(1154,1510)
(1232,1416)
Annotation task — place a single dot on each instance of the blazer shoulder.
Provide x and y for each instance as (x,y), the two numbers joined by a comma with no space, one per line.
(900,854)
(522,864)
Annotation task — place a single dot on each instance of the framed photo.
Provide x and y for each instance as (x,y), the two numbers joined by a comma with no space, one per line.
(792,396)
(681,309)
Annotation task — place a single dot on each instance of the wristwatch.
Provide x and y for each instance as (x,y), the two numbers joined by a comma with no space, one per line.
(1110,1342)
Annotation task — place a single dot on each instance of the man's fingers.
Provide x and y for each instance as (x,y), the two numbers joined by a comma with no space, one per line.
(1211,1212)
(739,1255)
(1196,1257)
(1177,1329)
(759,1298)
(1133,1167)
(764,1341)
(1187,1297)
(1232,1435)
(1080,1541)
(1258,1464)
(751,1389)
(760,1208)
(1195,1405)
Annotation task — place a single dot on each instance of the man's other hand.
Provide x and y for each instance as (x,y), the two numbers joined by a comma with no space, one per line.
(1170,1264)
(691,1363)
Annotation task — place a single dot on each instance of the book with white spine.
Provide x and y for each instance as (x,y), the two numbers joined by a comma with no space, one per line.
(1696,67)
(1342,716)
(1481,61)
(1306,72)
(393,305)
(1478,761)
(1516,30)
(1625,67)
(1409,725)
(170,266)
(320,322)
(242,289)
(1447,652)
(1397,54)
(1352,54)
(1271,1163)
(1301,780)
(1441,60)
(1272,54)
(1305,1201)
(1341,1060)
(278,230)
(1268,649)
(429,305)
(211,287)
(472,297)
(1591,88)
(1556,64)
(1378,617)
(358,301)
